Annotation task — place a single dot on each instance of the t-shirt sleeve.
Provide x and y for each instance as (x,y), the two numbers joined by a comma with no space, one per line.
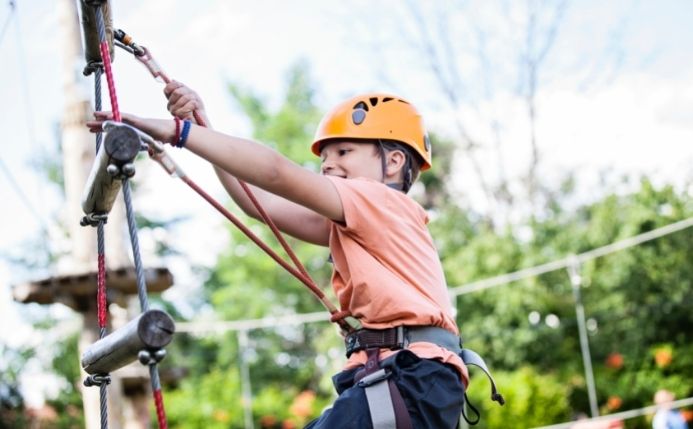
(370,208)
(357,199)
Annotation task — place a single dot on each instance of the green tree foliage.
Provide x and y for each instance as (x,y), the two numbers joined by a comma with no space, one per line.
(68,404)
(11,400)
(636,300)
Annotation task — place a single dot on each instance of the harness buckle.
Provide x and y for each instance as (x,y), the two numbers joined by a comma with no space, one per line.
(392,338)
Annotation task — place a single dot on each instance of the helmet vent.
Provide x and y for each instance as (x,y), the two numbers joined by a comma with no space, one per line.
(402,101)
(386,99)
(373,100)
(361,105)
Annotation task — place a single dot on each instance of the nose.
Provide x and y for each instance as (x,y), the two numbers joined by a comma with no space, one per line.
(326,166)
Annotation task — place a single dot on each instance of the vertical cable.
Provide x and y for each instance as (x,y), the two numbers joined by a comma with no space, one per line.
(101,299)
(106,58)
(132,229)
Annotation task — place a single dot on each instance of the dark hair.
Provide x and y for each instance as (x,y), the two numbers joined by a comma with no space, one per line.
(412,162)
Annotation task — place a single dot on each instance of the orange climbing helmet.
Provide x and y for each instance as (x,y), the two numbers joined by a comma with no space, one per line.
(372,117)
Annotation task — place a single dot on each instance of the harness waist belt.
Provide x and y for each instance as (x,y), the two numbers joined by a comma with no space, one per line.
(400,337)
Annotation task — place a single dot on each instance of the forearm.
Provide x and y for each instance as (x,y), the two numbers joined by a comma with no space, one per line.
(244,159)
(290,218)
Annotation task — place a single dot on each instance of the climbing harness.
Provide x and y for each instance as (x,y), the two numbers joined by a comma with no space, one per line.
(381,392)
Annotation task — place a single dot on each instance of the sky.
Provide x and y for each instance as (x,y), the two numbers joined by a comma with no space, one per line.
(614,95)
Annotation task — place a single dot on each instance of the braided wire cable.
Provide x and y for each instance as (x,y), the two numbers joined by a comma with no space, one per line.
(101,301)
(132,229)
(97,101)
(158,397)
(144,304)
(101,278)
(101,275)
(103,404)
(106,58)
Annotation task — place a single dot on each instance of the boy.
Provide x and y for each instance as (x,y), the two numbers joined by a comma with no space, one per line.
(387,273)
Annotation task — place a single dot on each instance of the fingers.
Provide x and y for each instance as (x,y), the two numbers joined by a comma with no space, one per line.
(103,116)
(182,101)
(172,86)
(96,125)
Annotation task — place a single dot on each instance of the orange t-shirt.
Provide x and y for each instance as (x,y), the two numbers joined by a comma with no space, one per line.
(387,271)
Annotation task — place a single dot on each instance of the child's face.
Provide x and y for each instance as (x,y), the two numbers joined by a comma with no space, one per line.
(350,160)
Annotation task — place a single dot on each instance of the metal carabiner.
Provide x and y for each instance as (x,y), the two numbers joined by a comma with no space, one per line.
(141,54)
(151,65)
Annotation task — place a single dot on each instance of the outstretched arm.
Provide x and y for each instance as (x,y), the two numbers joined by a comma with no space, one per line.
(311,196)
(289,217)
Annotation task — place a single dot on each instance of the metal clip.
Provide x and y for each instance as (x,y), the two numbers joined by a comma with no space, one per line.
(153,67)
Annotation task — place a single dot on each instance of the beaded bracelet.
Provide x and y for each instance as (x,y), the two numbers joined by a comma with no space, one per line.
(184,134)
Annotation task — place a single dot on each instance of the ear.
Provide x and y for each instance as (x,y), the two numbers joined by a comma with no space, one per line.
(394,164)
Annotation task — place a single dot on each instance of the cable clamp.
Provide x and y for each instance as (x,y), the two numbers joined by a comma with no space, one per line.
(92,67)
(94,219)
(97,380)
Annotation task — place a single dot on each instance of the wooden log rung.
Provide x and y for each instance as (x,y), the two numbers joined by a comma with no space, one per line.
(150,331)
(117,153)
(92,50)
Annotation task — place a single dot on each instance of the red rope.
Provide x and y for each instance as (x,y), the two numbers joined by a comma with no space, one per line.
(293,271)
(299,272)
(101,290)
(106,57)
(302,273)
(160,413)
(265,217)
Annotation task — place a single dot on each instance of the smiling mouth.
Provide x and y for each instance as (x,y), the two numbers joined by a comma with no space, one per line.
(335,175)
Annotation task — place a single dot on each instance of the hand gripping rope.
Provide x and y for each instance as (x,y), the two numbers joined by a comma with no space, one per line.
(144,337)
(343,318)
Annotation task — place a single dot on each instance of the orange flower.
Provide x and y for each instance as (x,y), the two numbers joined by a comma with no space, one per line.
(303,404)
(663,357)
(614,361)
(288,424)
(614,403)
(221,416)
(268,421)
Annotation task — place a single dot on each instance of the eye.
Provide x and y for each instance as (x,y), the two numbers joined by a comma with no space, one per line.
(342,152)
